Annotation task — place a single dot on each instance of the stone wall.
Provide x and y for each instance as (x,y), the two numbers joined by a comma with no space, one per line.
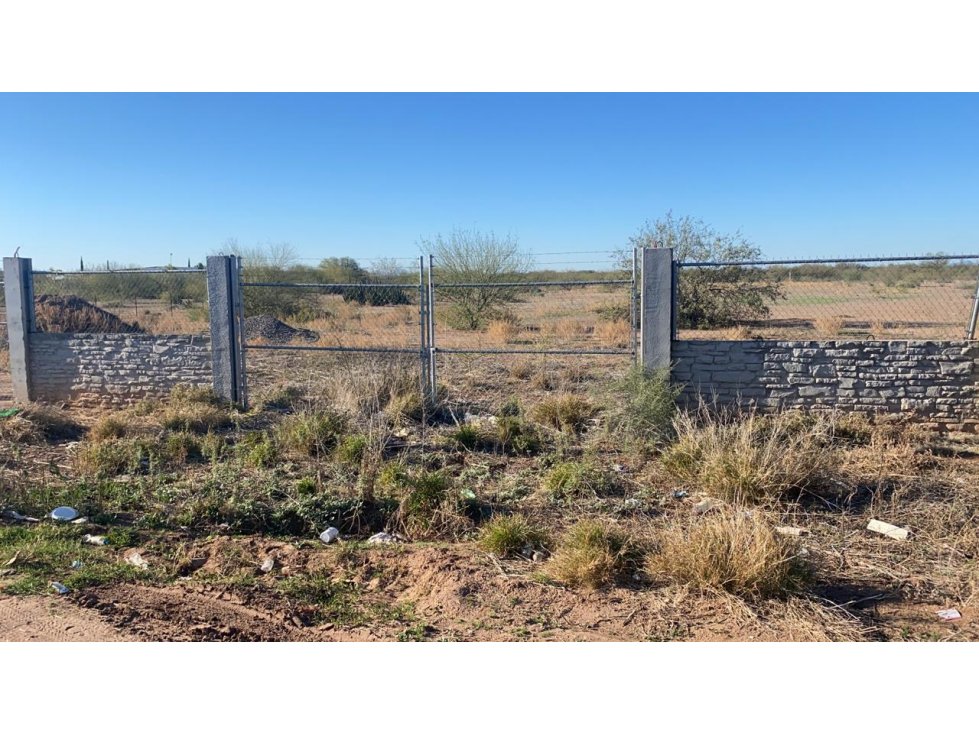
(934,381)
(115,368)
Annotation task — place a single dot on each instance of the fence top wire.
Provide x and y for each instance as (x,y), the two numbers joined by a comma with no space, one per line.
(124,271)
(534,284)
(826,261)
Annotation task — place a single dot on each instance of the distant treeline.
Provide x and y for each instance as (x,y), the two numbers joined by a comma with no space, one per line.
(898,274)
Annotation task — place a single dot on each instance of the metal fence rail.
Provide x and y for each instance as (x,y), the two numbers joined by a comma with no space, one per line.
(161,300)
(908,297)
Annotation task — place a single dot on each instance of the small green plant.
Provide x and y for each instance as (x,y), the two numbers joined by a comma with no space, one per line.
(506,535)
(352,449)
(592,554)
(517,436)
(730,552)
(429,507)
(568,413)
(645,404)
(258,449)
(310,432)
(577,480)
(330,600)
(467,437)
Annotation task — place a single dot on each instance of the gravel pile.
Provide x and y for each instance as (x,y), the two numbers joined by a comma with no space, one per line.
(74,315)
(270,329)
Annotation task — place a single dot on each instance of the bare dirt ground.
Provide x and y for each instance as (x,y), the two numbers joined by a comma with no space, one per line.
(52,619)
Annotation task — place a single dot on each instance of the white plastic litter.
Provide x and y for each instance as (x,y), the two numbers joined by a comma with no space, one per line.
(133,558)
(14,515)
(891,531)
(267,565)
(59,587)
(949,615)
(95,539)
(791,531)
(76,564)
(329,535)
(64,514)
(383,538)
(79,521)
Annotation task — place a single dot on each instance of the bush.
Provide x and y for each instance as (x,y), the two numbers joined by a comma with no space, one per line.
(752,459)
(645,404)
(38,423)
(507,535)
(517,436)
(429,507)
(351,449)
(712,297)
(567,413)
(310,433)
(592,554)
(578,479)
(735,553)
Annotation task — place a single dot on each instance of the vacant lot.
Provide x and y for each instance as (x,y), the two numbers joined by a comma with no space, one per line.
(555,502)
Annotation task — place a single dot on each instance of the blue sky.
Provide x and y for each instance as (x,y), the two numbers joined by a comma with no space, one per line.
(133,178)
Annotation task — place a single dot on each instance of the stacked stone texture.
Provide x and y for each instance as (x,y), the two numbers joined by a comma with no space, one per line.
(935,381)
(86,369)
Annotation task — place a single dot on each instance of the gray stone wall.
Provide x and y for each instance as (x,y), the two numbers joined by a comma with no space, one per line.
(933,381)
(115,368)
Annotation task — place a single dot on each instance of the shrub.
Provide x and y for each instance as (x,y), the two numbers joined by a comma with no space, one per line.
(108,427)
(40,423)
(196,410)
(567,413)
(577,479)
(753,459)
(517,436)
(467,437)
(429,507)
(645,403)
(310,432)
(351,449)
(592,554)
(506,535)
(735,553)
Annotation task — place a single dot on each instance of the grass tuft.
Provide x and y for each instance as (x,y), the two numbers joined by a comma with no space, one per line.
(506,535)
(592,554)
(567,413)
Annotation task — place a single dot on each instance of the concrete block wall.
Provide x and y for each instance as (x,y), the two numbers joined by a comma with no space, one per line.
(934,381)
(116,369)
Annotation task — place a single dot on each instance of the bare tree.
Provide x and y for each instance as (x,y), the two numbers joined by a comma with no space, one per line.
(470,256)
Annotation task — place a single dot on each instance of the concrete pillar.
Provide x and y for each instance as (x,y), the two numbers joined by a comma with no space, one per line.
(18,285)
(656,307)
(227,328)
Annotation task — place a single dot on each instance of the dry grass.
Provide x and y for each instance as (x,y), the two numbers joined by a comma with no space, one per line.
(4,359)
(568,413)
(617,334)
(731,552)
(829,326)
(310,433)
(503,332)
(592,554)
(39,423)
(753,459)
(522,369)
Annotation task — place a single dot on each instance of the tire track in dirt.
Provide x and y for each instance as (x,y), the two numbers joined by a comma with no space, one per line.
(49,619)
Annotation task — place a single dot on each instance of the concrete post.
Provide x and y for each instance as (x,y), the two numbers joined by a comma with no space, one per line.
(656,308)
(227,328)
(18,285)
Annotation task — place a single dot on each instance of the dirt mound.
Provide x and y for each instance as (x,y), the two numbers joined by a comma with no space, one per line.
(71,314)
(270,329)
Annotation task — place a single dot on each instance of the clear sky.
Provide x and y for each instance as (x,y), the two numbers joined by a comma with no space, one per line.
(133,178)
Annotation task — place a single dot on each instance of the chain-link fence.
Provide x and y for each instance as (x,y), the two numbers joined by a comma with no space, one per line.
(127,300)
(306,327)
(869,298)
(557,326)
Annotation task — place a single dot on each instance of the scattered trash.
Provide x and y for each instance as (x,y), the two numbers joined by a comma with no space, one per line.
(77,565)
(680,494)
(13,560)
(477,419)
(891,531)
(467,494)
(133,558)
(632,503)
(64,514)
(377,538)
(59,587)
(79,521)
(538,556)
(9,412)
(949,615)
(790,530)
(14,515)
(705,506)
(267,565)
(329,535)
(619,468)
(95,539)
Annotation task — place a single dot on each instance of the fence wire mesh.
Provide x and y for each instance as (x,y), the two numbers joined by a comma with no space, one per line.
(6,389)
(126,300)
(881,298)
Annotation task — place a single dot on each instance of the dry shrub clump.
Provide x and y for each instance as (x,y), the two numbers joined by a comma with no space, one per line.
(196,410)
(733,552)
(506,535)
(644,404)
(568,413)
(752,458)
(592,554)
(616,334)
(39,423)
(310,432)
(429,506)
(578,480)
(521,370)
(503,331)
(829,326)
